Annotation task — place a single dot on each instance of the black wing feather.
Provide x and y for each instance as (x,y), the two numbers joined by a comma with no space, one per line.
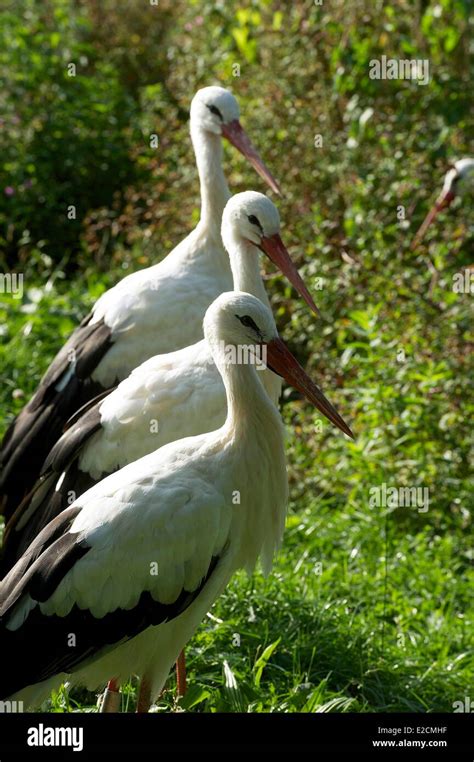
(13,584)
(46,500)
(37,574)
(39,425)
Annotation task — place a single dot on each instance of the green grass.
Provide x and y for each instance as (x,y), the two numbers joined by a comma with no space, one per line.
(335,645)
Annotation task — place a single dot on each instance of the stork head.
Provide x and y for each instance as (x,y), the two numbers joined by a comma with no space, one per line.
(215,110)
(212,107)
(252,217)
(237,319)
(458,180)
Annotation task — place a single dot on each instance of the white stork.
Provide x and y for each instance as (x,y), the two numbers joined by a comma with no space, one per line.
(155,310)
(456,182)
(166,398)
(119,581)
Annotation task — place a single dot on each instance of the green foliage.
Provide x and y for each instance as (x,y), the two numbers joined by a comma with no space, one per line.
(66,136)
(367,608)
(131,39)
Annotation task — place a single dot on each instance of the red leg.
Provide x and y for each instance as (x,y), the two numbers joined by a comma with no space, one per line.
(111,700)
(181,674)
(144,697)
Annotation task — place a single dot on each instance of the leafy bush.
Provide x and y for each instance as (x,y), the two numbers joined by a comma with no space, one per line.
(67,132)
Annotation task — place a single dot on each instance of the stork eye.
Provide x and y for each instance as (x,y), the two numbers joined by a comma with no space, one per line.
(214,110)
(247,321)
(254,220)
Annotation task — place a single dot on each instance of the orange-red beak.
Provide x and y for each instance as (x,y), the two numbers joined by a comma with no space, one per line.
(281,361)
(443,202)
(235,134)
(274,248)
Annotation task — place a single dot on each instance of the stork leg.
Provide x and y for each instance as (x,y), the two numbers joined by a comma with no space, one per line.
(181,674)
(144,696)
(111,699)
(144,692)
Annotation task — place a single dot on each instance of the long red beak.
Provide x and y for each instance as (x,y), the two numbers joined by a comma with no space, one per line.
(235,134)
(281,361)
(274,247)
(442,203)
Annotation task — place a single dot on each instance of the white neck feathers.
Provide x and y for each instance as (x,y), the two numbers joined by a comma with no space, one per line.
(214,190)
